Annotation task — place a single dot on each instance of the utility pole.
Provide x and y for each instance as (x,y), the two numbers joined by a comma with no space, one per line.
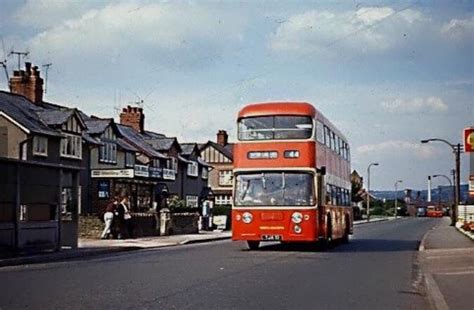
(19,54)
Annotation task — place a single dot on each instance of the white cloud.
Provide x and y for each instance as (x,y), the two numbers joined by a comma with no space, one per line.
(357,31)
(421,151)
(416,105)
(149,31)
(459,30)
(43,14)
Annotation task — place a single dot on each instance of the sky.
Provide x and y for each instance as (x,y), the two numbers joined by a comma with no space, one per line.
(388,74)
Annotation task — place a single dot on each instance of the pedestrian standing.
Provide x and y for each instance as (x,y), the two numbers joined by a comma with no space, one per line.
(110,209)
(126,221)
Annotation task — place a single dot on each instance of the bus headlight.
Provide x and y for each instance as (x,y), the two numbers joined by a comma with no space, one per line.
(297,217)
(247,217)
(297,229)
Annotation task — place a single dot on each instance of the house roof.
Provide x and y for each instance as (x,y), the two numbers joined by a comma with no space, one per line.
(164,144)
(227,150)
(123,144)
(188,148)
(97,125)
(55,117)
(24,112)
(137,140)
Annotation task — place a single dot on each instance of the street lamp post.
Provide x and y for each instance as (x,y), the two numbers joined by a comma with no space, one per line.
(456,151)
(396,196)
(450,184)
(368,189)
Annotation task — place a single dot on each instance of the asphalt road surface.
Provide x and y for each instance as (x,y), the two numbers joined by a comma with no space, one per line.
(376,270)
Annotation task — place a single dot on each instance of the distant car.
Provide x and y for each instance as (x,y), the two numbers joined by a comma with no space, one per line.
(420,212)
(433,211)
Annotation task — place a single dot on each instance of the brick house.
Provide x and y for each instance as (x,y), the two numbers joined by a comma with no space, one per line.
(220,155)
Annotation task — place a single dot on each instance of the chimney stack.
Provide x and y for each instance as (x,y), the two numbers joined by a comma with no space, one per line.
(28,83)
(222,137)
(133,117)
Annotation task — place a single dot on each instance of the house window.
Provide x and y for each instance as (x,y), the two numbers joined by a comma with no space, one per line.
(225,177)
(71,146)
(191,201)
(129,159)
(205,173)
(193,169)
(156,163)
(223,200)
(174,164)
(40,146)
(108,153)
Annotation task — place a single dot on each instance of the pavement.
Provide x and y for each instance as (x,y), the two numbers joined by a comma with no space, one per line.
(447,261)
(96,247)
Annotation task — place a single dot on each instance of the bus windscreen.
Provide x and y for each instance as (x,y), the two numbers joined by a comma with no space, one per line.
(274,189)
(275,128)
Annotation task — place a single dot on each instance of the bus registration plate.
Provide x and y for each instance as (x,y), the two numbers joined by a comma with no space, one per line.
(271,237)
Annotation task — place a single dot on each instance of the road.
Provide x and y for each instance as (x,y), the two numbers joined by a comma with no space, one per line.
(376,270)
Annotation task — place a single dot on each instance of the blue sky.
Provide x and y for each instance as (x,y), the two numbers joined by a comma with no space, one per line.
(387,73)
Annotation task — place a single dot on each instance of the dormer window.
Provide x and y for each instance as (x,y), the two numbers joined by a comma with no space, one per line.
(193,169)
(108,153)
(40,146)
(71,146)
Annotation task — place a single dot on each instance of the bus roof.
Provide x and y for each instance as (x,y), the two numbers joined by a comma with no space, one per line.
(277,108)
(286,108)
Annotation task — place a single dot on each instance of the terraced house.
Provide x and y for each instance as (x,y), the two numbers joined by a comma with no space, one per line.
(83,162)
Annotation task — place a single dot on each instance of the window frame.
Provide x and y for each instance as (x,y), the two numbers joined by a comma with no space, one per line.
(222,175)
(36,144)
(75,141)
(192,169)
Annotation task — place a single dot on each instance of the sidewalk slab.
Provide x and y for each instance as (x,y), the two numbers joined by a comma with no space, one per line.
(447,261)
(93,247)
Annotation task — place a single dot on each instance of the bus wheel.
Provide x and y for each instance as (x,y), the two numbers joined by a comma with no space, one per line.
(345,238)
(253,245)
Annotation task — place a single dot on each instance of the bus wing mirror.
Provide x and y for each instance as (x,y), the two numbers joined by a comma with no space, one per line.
(322,170)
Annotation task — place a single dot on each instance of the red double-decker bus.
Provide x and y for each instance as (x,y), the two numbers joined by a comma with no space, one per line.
(291,176)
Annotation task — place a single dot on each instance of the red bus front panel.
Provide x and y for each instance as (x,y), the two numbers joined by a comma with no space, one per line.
(274,225)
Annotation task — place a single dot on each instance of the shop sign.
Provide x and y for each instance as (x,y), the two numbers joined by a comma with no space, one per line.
(112,173)
(469,139)
(141,171)
(103,189)
(168,174)
(156,173)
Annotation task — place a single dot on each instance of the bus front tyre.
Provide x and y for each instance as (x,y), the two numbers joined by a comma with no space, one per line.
(253,245)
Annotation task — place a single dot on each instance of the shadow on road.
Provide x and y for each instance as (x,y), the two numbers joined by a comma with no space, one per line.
(358,245)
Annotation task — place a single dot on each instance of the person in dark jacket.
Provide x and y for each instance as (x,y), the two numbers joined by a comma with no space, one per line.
(124,219)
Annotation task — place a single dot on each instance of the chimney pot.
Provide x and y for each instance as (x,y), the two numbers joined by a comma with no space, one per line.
(222,137)
(23,83)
